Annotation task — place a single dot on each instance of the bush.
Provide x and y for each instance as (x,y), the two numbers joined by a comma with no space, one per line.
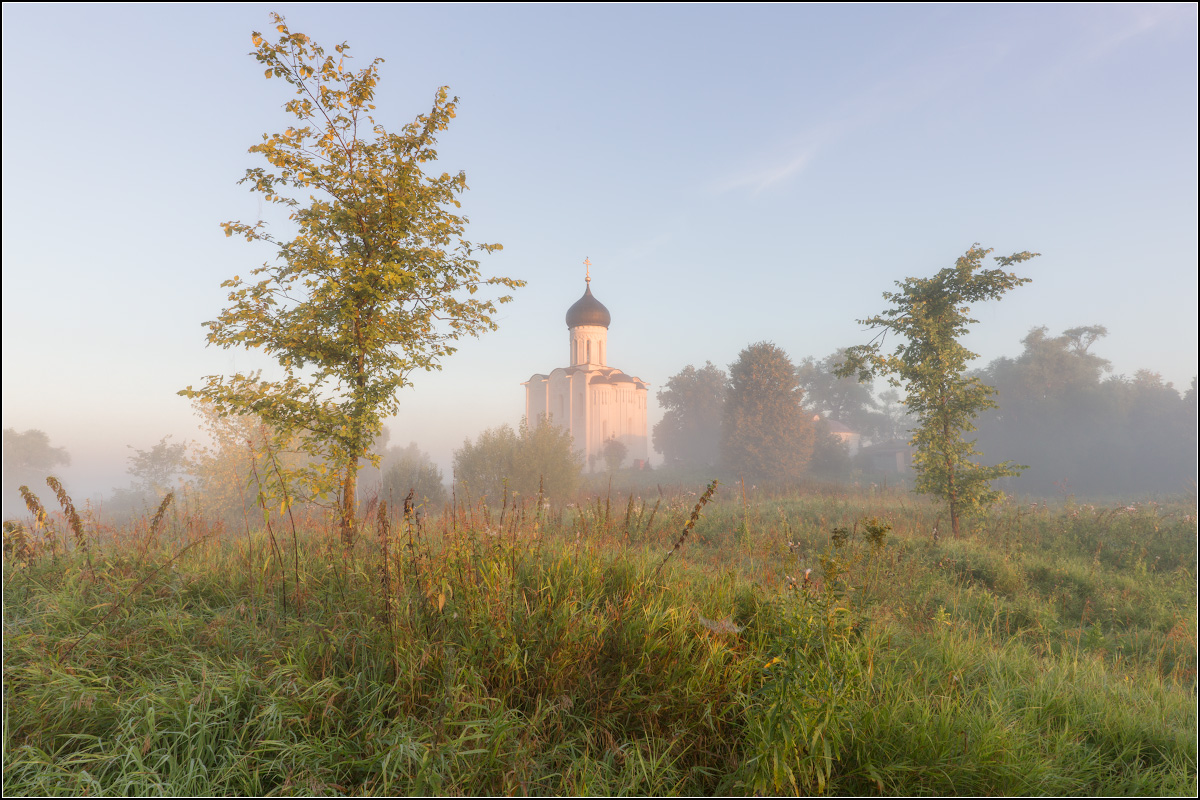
(525,462)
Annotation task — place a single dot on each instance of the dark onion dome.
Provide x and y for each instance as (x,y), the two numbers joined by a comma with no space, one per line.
(588,311)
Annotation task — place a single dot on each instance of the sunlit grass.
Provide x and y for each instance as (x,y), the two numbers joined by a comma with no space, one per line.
(530,651)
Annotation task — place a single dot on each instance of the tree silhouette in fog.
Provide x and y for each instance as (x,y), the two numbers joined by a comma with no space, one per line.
(693,401)
(1081,432)
(767,434)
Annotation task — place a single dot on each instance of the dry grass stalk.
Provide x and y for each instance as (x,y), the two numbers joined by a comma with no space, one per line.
(35,507)
(687,528)
(69,509)
(41,518)
(159,514)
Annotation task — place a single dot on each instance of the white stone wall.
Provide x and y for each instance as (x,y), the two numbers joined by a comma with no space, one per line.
(582,400)
(588,343)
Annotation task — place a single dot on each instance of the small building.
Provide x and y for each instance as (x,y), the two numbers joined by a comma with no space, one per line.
(852,439)
(894,457)
(592,400)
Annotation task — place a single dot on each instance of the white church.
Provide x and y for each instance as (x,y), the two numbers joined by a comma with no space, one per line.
(592,400)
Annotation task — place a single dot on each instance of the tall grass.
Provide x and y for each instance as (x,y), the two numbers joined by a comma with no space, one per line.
(757,644)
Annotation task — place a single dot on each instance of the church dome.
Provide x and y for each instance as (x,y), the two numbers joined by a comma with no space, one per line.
(588,311)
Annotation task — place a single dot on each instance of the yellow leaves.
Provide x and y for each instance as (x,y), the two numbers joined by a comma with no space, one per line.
(257,39)
(268,74)
(281,28)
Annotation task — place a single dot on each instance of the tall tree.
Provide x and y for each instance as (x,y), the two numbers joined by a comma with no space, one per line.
(767,434)
(377,282)
(154,470)
(929,315)
(1082,433)
(841,398)
(690,430)
(1051,411)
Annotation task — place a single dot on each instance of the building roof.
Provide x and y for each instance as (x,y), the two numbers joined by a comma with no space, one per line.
(614,376)
(588,311)
(837,427)
(887,448)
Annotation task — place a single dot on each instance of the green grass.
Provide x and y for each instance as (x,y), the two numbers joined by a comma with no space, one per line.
(1051,651)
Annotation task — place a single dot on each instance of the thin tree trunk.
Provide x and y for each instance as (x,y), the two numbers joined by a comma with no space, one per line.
(349,509)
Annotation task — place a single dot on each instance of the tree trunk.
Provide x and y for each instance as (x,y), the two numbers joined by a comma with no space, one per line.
(349,509)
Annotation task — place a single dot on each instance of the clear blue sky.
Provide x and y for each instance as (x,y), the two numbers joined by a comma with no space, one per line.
(734,174)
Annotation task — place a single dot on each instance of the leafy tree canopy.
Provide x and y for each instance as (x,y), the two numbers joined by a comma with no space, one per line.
(1082,433)
(502,459)
(767,434)
(410,469)
(615,452)
(377,282)
(154,470)
(844,399)
(929,317)
(693,402)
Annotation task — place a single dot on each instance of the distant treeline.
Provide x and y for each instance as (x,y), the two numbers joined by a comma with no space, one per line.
(1082,431)
(1078,428)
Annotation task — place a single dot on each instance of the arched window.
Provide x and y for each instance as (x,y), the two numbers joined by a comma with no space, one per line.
(589,352)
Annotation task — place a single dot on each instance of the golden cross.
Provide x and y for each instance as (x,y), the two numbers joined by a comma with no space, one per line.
(587,262)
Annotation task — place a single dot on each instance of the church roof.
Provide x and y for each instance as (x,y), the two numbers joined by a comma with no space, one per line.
(611,375)
(588,311)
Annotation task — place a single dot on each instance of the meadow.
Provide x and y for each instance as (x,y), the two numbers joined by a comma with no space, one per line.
(665,641)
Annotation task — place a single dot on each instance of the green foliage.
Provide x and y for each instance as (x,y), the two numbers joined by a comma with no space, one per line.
(1082,433)
(154,470)
(525,462)
(378,281)
(797,734)
(1055,654)
(767,435)
(844,399)
(156,473)
(410,469)
(830,456)
(689,434)
(614,452)
(929,316)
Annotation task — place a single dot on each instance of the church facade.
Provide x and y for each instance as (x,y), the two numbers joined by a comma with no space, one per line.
(592,400)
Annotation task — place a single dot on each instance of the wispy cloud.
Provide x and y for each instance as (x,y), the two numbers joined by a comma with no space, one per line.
(900,92)
(1105,33)
(871,106)
(956,68)
(1139,19)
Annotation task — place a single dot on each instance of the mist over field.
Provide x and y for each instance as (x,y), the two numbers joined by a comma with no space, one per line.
(797,400)
(772,194)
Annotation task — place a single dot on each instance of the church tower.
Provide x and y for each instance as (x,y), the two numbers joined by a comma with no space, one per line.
(592,400)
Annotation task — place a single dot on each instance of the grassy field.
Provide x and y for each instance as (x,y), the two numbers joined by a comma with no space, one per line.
(812,642)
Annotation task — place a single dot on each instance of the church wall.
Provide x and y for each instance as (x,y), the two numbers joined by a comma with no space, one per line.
(588,345)
(591,412)
(619,411)
(536,393)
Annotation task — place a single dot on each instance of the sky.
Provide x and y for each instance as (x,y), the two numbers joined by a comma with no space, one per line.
(733,173)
